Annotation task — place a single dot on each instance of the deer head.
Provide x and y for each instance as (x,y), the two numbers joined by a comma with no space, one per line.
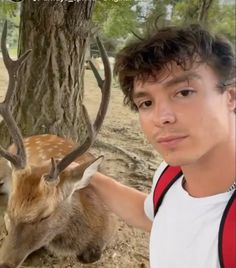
(45,207)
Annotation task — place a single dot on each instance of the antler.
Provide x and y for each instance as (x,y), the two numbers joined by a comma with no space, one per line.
(105,86)
(18,160)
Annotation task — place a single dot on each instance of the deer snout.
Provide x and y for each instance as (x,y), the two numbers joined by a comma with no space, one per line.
(10,255)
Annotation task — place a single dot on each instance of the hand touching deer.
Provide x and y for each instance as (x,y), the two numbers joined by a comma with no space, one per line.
(49,204)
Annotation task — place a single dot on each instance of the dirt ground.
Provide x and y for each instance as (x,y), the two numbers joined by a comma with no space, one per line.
(129,159)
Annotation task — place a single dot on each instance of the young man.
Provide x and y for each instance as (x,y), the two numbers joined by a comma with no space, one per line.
(182,83)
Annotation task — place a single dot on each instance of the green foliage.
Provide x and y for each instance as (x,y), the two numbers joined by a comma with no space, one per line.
(119,19)
(184,12)
(222,20)
(156,16)
(10,11)
(116,18)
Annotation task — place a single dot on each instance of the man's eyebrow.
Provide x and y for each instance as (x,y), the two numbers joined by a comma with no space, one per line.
(182,78)
(139,94)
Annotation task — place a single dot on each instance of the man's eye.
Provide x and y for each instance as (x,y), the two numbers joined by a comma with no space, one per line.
(144,104)
(185,93)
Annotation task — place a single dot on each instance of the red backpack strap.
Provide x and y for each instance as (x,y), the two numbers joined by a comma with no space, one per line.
(227,235)
(167,178)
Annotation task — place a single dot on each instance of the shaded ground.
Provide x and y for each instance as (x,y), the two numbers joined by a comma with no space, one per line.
(129,159)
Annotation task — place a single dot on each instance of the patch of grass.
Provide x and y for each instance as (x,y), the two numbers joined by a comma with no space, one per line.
(13,52)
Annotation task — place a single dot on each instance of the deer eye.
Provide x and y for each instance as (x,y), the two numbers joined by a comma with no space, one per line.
(44,218)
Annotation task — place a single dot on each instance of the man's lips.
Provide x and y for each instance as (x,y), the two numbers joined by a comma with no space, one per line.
(170,140)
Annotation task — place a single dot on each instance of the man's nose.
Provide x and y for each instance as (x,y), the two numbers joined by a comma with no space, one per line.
(163,114)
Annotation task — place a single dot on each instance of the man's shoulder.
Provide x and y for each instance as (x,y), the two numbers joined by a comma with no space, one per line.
(159,171)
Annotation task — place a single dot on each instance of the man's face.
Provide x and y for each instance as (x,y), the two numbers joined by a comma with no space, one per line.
(183,114)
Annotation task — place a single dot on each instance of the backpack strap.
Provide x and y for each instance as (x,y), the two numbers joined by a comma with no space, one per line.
(165,181)
(227,231)
(227,235)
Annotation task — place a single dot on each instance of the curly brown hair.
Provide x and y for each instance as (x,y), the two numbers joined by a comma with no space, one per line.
(148,56)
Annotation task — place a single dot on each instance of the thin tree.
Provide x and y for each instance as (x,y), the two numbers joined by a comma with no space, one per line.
(204,10)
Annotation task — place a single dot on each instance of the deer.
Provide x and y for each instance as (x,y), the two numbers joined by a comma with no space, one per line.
(51,203)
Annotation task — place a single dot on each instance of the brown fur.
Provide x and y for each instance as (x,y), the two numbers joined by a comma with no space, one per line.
(54,214)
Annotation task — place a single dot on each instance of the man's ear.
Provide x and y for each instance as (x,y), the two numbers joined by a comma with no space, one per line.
(79,176)
(232,97)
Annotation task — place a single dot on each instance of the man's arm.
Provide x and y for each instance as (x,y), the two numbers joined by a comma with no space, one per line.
(124,201)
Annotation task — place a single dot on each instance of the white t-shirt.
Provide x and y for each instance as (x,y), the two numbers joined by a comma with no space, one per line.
(185,230)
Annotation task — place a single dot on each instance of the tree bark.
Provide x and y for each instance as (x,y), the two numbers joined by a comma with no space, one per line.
(204,10)
(49,91)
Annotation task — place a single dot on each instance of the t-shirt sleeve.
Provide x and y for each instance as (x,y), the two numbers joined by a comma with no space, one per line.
(148,203)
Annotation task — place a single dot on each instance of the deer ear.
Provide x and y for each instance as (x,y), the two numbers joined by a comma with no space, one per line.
(77,176)
(88,173)
(80,176)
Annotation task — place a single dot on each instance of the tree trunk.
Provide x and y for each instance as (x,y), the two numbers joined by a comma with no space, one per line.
(50,83)
(204,10)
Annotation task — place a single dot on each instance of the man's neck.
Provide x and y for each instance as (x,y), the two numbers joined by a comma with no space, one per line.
(213,174)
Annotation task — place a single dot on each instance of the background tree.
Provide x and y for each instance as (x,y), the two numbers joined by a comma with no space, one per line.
(10,11)
(204,10)
(50,85)
(118,19)
(221,19)
(217,15)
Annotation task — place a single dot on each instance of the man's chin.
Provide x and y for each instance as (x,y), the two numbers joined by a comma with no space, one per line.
(177,161)
(178,156)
